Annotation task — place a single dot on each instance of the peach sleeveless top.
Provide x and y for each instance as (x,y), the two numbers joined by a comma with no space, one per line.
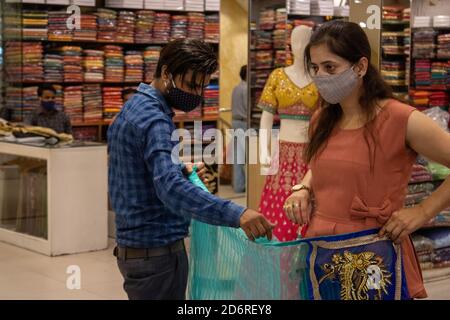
(349,198)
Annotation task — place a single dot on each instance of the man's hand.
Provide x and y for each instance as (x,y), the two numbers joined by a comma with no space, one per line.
(201,171)
(255,225)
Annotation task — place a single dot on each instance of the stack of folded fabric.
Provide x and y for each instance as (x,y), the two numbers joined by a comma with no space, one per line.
(393,72)
(267,19)
(280,58)
(59,96)
(53,68)
(439,239)
(58,30)
(13,101)
(112,102)
(211,104)
(260,77)
(13,61)
(406,15)
(125,27)
(212,5)
(32,63)
(392,43)
(420,174)
(72,59)
(73,103)
(393,14)
(322,7)
(134,66)
(151,56)
(439,99)
(424,250)
(144,26)
(263,40)
(443,50)
(92,102)
(418,192)
(441,220)
(93,65)
(194,5)
(212,28)
(85,134)
(34,25)
(279,39)
(88,30)
(441,21)
(31,102)
(422,74)
(299,7)
(114,64)
(424,43)
(439,75)
(448,75)
(107,25)
(179,24)
(196,25)
(161,28)
(264,59)
(420,99)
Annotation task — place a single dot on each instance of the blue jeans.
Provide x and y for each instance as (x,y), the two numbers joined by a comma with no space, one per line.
(239,159)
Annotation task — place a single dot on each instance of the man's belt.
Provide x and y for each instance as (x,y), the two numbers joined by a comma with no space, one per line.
(125,253)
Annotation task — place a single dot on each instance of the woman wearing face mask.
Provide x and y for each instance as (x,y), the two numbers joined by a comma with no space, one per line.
(47,115)
(362,146)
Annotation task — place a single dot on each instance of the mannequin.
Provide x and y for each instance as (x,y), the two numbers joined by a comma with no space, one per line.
(290,93)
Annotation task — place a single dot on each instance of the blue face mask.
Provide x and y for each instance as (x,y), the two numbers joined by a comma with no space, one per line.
(48,105)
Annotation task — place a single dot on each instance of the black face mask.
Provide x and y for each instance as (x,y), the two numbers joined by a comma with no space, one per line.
(182,100)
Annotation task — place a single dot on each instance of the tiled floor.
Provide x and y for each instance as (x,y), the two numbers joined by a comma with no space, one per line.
(28,275)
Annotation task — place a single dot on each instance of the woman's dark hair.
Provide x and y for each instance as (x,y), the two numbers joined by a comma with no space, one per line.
(243,73)
(182,55)
(349,41)
(46,87)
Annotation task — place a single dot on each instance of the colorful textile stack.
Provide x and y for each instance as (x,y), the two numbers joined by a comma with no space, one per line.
(34,25)
(13,101)
(112,102)
(280,58)
(393,13)
(179,24)
(424,43)
(134,66)
(13,61)
(211,103)
(88,31)
(72,59)
(264,59)
(85,133)
(439,99)
(196,25)
(57,26)
(417,192)
(406,14)
(107,25)
(144,26)
(259,79)
(322,7)
(436,243)
(392,43)
(161,28)
(151,56)
(439,75)
(73,103)
(299,7)
(393,72)
(114,63)
(125,27)
(92,102)
(30,102)
(267,19)
(448,74)
(263,40)
(93,65)
(422,74)
(32,63)
(420,99)
(59,97)
(212,28)
(443,50)
(53,68)
(420,174)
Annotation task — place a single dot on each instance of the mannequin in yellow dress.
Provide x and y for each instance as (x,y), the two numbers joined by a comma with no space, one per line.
(290,93)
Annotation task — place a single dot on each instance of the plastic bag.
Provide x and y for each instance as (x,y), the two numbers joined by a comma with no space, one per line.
(440,116)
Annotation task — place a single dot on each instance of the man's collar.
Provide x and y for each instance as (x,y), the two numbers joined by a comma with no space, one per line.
(155,93)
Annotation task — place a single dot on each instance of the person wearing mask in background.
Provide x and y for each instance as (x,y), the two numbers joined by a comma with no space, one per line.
(47,116)
(150,194)
(239,112)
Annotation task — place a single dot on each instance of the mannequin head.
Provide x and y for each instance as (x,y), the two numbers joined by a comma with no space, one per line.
(299,39)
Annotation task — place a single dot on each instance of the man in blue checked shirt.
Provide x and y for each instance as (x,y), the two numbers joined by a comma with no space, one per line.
(153,200)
